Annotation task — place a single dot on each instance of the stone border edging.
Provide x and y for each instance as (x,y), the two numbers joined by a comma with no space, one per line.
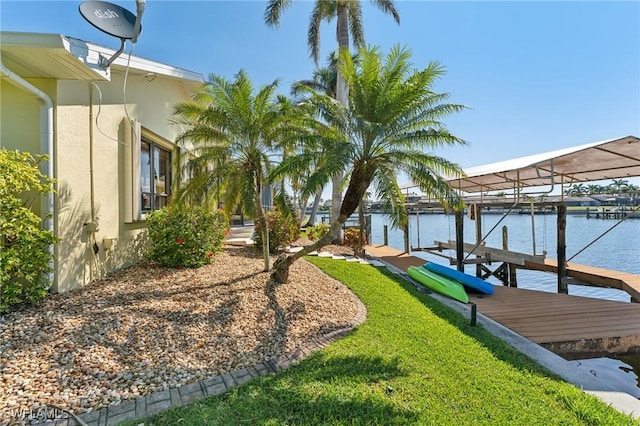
(158,402)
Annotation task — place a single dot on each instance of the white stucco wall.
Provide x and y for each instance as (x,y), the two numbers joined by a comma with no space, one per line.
(149,102)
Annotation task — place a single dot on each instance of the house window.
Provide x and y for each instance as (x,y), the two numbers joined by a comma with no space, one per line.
(155,176)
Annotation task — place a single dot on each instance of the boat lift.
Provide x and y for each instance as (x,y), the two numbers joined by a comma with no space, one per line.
(611,159)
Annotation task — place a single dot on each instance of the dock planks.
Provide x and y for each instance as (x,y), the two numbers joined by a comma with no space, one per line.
(563,323)
(593,276)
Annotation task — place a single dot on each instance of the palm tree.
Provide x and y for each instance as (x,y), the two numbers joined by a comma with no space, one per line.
(231,132)
(323,81)
(393,116)
(577,190)
(618,186)
(348,14)
(593,189)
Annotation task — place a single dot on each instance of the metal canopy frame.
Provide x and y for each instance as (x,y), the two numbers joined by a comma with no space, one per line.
(611,159)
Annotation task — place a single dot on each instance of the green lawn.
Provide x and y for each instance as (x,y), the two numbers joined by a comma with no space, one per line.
(413,361)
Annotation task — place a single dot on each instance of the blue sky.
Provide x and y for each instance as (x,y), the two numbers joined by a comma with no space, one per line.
(537,76)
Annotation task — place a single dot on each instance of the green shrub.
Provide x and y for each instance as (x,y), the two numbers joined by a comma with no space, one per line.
(24,255)
(317,231)
(283,229)
(182,236)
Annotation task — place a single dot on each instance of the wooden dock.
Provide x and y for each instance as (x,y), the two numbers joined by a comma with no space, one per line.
(592,276)
(568,325)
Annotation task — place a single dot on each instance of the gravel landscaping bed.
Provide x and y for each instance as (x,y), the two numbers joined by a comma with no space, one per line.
(149,328)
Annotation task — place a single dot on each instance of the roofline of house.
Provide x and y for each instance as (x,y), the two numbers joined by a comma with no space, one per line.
(89,53)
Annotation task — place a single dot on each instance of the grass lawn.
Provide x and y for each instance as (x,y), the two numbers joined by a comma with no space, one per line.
(413,361)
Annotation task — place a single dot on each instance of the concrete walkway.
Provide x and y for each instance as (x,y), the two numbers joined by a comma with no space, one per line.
(240,235)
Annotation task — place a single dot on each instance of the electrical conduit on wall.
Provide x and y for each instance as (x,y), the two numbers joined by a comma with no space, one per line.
(46,144)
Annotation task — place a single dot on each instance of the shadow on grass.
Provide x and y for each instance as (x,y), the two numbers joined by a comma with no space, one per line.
(317,391)
(500,349)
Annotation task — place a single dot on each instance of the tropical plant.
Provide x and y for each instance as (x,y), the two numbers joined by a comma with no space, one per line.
(393,115)
(283,229)
(349,26)
(25,258)
(354,239)
(317,231)
(232,133)
(185,237)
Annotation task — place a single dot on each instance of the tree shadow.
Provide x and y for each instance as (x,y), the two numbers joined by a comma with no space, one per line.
(319,390)
(73,252)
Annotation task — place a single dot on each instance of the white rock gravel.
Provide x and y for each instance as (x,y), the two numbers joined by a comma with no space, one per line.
(148,328)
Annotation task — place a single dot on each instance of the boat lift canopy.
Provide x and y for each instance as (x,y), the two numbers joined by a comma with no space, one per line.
(611,159)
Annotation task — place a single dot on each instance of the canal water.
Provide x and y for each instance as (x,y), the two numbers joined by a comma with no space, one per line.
(618,249)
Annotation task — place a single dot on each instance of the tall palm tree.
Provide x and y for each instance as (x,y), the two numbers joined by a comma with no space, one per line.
(231,132)
(324,80)
(393,116)
(348,15)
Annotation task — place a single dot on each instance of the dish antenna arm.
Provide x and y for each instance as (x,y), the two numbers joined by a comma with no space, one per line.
(105,63)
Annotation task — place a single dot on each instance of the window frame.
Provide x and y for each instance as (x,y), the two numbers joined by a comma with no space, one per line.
(154,177)
(134,136)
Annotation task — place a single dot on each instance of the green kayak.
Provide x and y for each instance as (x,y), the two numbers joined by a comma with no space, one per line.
(438,283)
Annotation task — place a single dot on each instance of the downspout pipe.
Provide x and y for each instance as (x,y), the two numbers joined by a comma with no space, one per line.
(46,144)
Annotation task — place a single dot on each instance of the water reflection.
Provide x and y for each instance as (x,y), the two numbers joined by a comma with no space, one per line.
(619,372)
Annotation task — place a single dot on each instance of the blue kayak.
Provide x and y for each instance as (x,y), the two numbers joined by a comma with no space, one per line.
(467,280)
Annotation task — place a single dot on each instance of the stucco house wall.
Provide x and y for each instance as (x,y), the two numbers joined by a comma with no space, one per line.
(93,145)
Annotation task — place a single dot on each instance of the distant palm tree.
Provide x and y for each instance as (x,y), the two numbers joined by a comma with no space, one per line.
(577,190)
(593,189)
(394,114)
(348,14)
(231,132)
(617,186)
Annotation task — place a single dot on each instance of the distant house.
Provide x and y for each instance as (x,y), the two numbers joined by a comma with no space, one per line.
(587,201)
(605,200)
(111,145)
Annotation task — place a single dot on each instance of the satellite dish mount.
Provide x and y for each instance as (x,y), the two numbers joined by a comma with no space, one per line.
(115,21)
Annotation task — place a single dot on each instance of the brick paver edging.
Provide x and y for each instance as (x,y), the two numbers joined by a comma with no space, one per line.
(158,402)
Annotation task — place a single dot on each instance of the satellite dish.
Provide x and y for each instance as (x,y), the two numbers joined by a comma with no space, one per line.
(115,21)
(109,18)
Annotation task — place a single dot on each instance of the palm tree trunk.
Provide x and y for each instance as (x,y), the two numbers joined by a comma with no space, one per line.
(314,209)
(342,95)
(360,181)
(264,226)
(360,252)
(281,266)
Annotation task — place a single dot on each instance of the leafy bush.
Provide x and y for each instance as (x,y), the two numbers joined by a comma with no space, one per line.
(317,231)
(185,236)
(354,239)
(283,229)
(24,255)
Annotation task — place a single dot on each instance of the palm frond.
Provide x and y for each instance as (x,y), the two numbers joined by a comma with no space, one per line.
(273,11)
